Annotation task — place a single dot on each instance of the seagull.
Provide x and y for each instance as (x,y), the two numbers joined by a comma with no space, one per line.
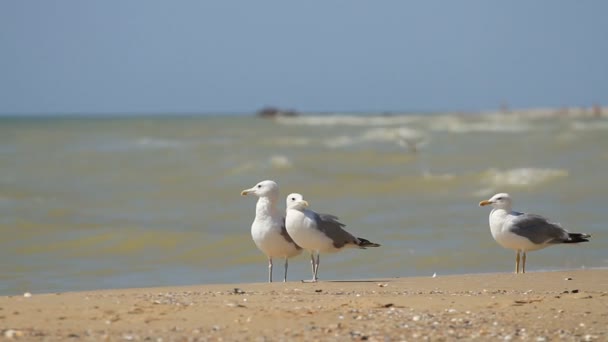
(525,232)
(268,228)
(318,232)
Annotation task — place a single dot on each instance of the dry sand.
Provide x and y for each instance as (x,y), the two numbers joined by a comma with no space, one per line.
(568,305)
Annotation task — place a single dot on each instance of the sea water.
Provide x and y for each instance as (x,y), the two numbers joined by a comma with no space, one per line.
(90,202)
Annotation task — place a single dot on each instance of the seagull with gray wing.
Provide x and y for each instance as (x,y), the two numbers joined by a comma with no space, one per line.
(525,232)
(318,232)
(268,228)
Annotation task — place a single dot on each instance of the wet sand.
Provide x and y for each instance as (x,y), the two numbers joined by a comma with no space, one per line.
(567,305)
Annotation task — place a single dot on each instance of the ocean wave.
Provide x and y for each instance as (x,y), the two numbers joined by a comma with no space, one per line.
(348,120)
(521,177)
(132,144)
(438,176)
(340,141)
(289,141)
(493,121)
(277,162)
(402,136)
(455,124)
(557,113)
(394,135)
(589,125)
(280,162)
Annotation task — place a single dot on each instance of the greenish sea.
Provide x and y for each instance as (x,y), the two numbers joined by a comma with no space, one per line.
(110,202)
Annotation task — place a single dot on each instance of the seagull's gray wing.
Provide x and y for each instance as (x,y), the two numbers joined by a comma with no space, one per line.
(538,229)
(286,235)
(332,228)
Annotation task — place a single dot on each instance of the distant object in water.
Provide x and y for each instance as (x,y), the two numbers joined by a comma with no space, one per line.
(410,139)
(271,112)
(268,228)
(524,232)
(405,137)
(596,109)
(318,232)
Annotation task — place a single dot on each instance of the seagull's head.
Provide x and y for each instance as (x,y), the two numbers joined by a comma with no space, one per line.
(265,188)
(498,201)
(296,201)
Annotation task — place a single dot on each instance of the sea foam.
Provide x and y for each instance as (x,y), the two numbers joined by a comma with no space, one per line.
(521,176)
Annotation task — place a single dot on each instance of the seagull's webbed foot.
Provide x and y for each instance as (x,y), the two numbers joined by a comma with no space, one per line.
(311,281)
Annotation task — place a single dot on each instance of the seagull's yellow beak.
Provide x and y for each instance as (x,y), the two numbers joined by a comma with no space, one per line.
(304,203)
(484,203)
(246,192)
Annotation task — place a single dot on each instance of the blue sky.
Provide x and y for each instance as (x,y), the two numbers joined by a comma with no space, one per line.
(150,56)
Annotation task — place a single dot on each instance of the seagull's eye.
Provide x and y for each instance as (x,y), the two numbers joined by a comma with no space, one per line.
(259,186)
(293,198)
(499,199)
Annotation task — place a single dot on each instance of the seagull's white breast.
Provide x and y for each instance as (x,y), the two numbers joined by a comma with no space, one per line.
(500,221)
(266,234)
(303,230)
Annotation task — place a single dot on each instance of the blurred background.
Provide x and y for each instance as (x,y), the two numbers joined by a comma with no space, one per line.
(128,130)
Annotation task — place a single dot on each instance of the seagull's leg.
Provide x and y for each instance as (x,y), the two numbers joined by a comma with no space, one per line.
(317,267)
(517,262)
(314,268)
(312,264)
(523,263)
(270,269)
(286,265)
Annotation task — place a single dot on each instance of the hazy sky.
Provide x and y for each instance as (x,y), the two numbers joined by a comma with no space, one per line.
(143,56)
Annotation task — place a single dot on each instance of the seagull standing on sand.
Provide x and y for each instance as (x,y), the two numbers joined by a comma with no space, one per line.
(525,232)
(318,232)
(268,228)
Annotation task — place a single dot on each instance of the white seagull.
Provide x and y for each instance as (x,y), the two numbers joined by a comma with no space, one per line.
(318,232)
(268,228)
(525,232)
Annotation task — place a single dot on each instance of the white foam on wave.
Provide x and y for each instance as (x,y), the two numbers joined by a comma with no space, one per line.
(289,141)
(128,145)
(280,162)
(519,177)
(555,113)
(438,176)
(340,141)
(489,123)
(394,135)
(402,136)
(589,125)
(348,120)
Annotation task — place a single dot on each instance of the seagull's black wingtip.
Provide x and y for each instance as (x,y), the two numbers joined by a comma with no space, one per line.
(364,243)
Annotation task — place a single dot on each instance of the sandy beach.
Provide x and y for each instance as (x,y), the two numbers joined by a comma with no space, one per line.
(566,305)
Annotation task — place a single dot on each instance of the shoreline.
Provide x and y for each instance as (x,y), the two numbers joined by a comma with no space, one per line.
(298,281)
(565,304)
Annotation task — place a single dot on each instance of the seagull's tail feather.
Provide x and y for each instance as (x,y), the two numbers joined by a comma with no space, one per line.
(577,237)
(363,243)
